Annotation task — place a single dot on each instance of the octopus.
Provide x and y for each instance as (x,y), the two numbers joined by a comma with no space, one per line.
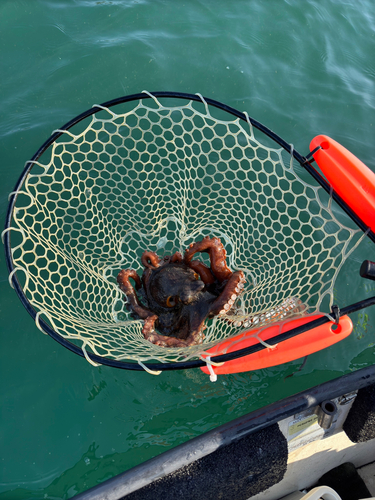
(176,294)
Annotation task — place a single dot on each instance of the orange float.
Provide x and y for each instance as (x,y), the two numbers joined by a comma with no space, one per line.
(352,180)
(299,346)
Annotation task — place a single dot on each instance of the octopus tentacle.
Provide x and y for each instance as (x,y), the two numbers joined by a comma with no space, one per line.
(123,279)
(216,250)
(148,326)
(177,257)
(128,289)
(204,272)
(150,260)
(143,313)
(229,295)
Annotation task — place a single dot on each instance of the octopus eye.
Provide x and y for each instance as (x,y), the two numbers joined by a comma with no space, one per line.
(171,301)
(196,276)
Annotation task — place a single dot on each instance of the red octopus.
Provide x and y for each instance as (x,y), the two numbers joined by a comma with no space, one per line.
(177,294)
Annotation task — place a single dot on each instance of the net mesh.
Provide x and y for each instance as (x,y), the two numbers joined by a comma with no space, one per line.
(158,178)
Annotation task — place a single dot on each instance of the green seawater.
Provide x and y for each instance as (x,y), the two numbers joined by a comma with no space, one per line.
(300,67)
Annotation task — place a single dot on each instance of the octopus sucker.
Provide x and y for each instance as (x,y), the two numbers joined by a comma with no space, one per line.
(289,307)
(176,294)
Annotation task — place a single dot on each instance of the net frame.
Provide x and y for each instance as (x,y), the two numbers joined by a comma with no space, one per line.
(96,359)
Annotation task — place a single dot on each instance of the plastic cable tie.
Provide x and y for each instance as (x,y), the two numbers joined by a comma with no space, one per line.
(310,157)
(213,376)
(336,313)
(152,372)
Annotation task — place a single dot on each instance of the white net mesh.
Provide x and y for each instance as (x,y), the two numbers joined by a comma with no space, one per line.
(159,178)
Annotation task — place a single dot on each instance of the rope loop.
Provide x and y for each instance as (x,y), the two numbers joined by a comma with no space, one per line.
(13,193)
(14,229)
(34,162)
(151,372)
(250,124)
(263,342)
(99,106)
(37,322)
(83,347)
(60,131)
(204,102)
(154,98)
(10,277)
(210,362)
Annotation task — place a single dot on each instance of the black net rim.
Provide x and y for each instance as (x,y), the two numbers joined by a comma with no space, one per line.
(302,160)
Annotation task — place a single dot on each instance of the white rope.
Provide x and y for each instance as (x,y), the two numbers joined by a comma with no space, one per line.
(152,372)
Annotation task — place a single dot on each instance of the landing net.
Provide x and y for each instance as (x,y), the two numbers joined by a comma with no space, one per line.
(158,177)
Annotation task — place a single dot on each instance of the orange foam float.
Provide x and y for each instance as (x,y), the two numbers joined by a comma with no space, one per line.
(299,346)
(352,180)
